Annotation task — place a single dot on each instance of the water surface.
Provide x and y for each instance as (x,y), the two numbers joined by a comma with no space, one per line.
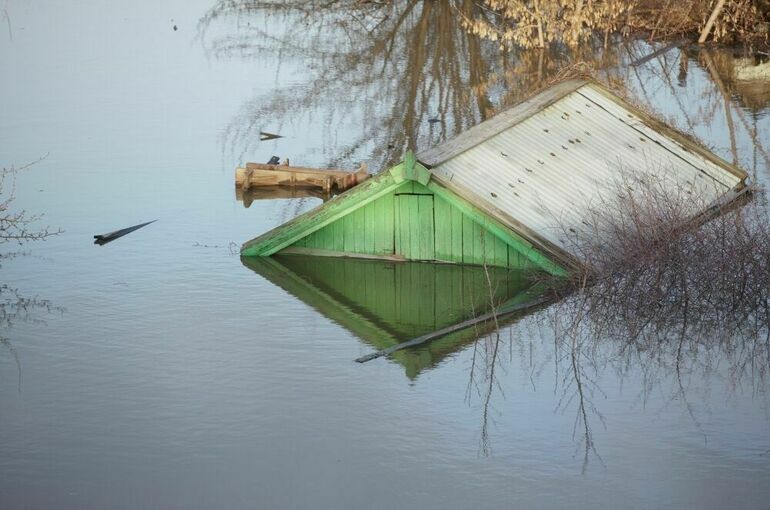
(158,371)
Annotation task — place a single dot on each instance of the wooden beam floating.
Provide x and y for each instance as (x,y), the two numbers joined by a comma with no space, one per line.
(257,175)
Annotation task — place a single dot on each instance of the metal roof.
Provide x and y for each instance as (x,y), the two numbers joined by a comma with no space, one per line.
(540,167)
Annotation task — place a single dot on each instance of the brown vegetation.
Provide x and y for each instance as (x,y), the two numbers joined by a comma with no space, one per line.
(538,23)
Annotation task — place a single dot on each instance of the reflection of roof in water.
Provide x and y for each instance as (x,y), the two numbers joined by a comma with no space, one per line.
(386,303)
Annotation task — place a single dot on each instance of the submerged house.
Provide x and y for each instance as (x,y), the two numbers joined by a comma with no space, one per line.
(512,191)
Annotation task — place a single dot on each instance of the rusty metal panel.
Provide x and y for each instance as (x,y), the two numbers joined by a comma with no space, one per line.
(548,171)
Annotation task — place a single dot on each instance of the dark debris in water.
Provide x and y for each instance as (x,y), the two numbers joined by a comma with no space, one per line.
(264,136)
(102,239)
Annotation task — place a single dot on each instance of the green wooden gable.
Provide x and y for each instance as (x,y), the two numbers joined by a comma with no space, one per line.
(402,214)
(385,303)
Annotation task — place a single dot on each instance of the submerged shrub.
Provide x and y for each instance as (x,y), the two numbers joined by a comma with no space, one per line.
(655,272)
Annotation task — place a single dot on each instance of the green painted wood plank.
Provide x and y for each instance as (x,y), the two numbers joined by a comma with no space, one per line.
(336,239)
(404,225)
(360,244)
(535,257)
(517,260)
(315,219)
(399,244)
(348,231)
(412,224)
(325,237)
(479,244)
(314,239)
(426,231)
(457,233)
(409,166)
(385,217)
(468,240)
(397,173)
(403,231)
(309,241)
(443,229)
(500,255)
(378,229)
(369,228)
(353,231)
(389,217)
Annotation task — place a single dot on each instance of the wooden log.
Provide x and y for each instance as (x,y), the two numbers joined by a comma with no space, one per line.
(261,175)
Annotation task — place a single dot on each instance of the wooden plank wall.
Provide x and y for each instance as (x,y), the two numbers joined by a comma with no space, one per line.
(414,227)
(368,230)
(413,223)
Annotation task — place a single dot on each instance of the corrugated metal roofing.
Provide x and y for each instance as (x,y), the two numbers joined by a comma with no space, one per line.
(546,171)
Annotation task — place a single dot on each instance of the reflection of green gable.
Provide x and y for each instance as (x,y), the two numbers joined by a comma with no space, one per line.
(402,214)
(385,303)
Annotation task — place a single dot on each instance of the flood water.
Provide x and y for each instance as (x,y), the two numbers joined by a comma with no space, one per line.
(159,371)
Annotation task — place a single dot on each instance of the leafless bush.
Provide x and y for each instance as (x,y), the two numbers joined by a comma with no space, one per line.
(663,292)
(18,226)
(655,274)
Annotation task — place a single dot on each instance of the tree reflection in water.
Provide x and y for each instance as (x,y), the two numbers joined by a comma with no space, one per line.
(691,308)
(409,76)
(15,307)
(405,72)
(18,227)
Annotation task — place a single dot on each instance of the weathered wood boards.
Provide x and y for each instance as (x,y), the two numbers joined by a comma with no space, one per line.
(261,175)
